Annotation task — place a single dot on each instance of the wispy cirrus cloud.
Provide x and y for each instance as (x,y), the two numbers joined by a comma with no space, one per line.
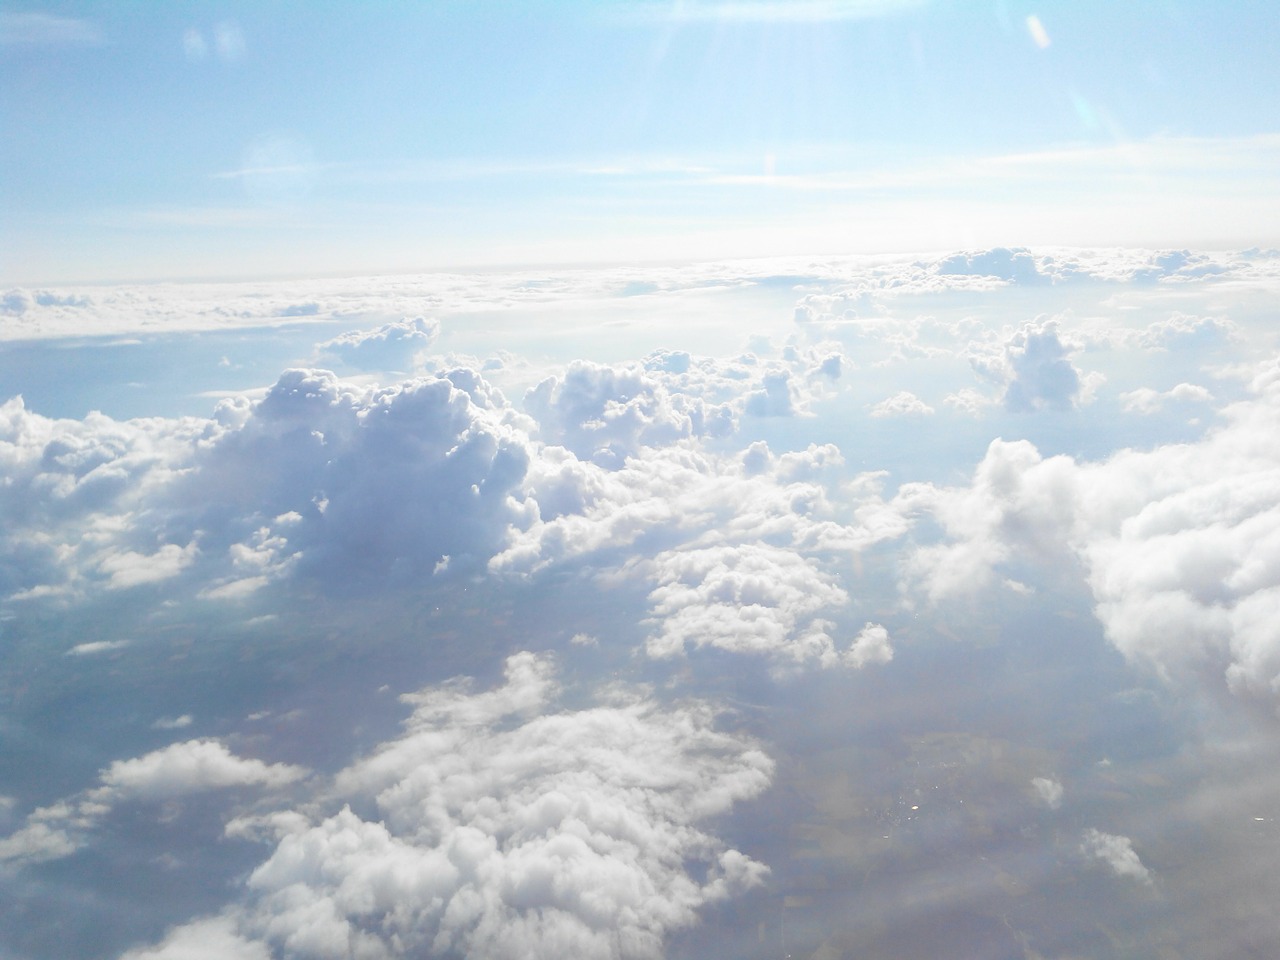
(46,29)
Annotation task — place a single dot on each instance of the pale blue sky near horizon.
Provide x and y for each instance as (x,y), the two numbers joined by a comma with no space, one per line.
(149,141)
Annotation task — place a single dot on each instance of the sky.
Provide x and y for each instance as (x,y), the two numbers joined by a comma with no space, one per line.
(247,140)
(633,481)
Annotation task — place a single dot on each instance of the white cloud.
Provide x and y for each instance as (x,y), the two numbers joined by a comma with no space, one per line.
(1039,35)
(1183,332)
(1116,852)
(392,346)
(178,770)
(842,293)
(871,645)
(1018,503)
(35,843)
(71,488)
(96,646)
(685,493)
(1048,790)
(902,404)
(606,414)
(359,481)
(1034,367)
(130,569)
(1146,400)
(747,599)
(212,939)
(1013,266)
(777,396)
(507,827)
(1180,545)
(969,401)
(46,29)
(173,723)
(189,767)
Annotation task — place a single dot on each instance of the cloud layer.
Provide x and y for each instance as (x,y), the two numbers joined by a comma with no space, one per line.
(501,825)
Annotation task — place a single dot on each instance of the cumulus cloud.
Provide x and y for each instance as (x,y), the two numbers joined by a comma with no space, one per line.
(392,346)
(747,599)
(1146,400)
(1017,505)
(36,842)
(1179,265)
(1180,545)
(188,767)
(1048,790)
(775,397)
(1034,367)
(871,645)
(506,826)
(316,474)
(1013,266)
(129,568)
(212,939)
(1116,852)
(178,770)
(901,404)
(683,493)
(362,479)
(606,414)
(1183,332)
(342,482)
(968,401)
(71,487)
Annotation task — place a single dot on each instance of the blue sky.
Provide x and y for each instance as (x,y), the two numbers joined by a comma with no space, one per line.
(150,141)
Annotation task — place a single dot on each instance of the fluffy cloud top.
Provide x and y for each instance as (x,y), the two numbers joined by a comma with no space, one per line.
(606,414)
(1116,852)
(356,482)
(177,770)
(1145,400)
(757,599)
(322,475)
(1180,545)
(189,767)
(506,828)
(391,346)
(748,599)
(211,939)
(71,487)
(1014,266)
(871,645)
(901,404)
(1035,368)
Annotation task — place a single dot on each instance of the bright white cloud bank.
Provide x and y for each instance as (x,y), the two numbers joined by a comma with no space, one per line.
(807,503)
(500,825)
(1180,544)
